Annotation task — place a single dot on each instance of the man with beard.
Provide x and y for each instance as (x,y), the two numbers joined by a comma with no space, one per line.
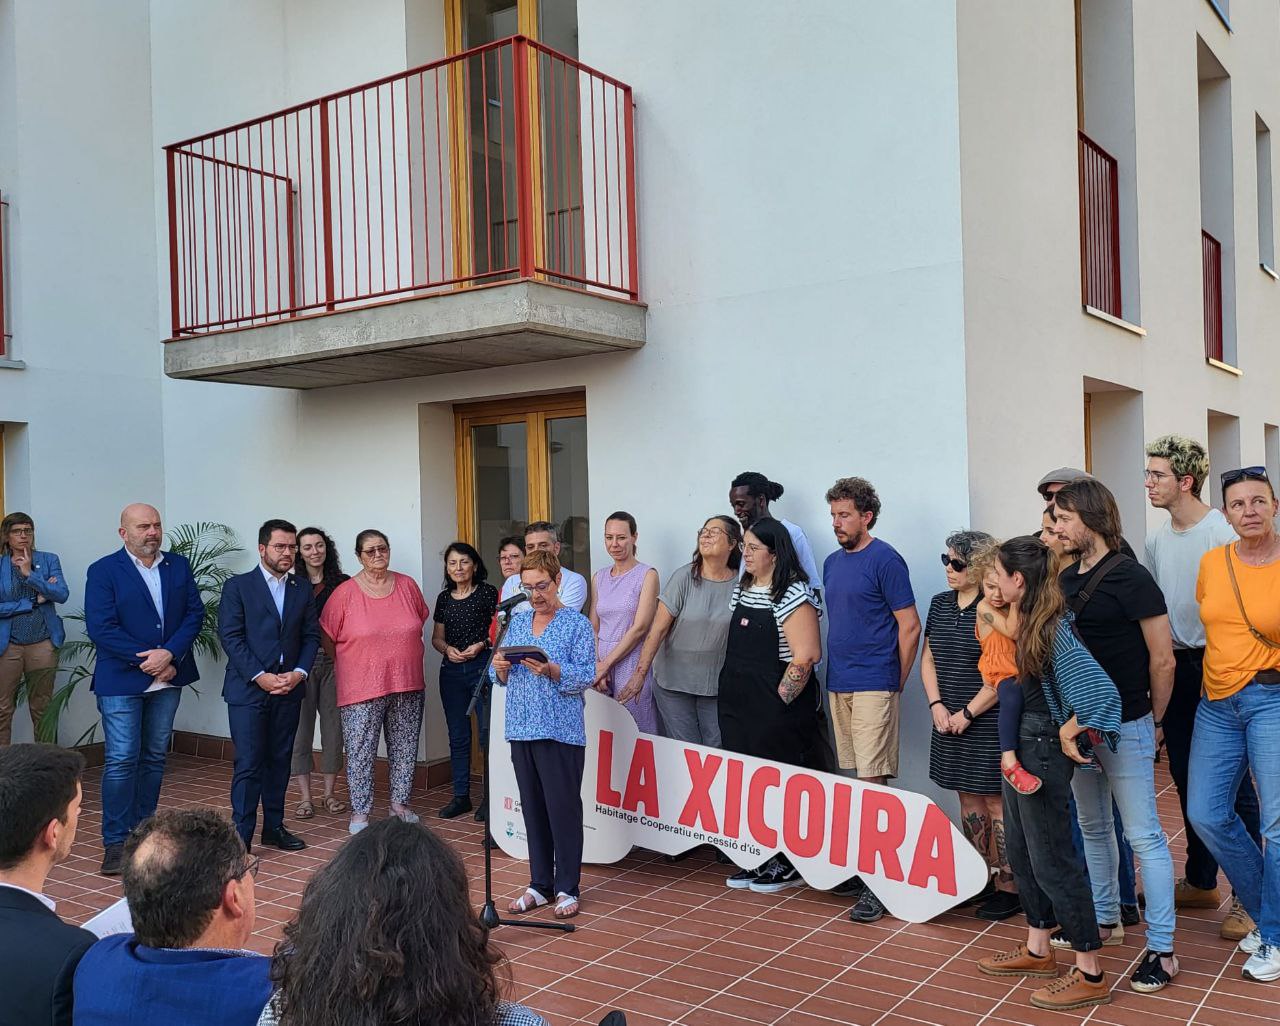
(871,645)
(1176,469)
(1122,618)
(270,633)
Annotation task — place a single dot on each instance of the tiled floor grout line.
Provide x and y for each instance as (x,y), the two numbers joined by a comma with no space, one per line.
(1216,980)
(911,993)
(992,1010)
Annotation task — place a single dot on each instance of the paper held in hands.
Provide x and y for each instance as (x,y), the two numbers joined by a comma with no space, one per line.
(523,653)
(111,920)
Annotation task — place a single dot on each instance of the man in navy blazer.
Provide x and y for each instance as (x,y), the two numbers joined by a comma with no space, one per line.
(270,632)
(143,612)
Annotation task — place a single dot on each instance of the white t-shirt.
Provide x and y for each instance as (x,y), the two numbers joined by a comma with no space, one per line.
(804,552)
(1173,557)
(573,591)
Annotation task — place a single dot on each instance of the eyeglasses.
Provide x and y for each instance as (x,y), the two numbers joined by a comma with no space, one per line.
(21,530)
(250,868)
(540,587)
(1244,474)
(958,565)
(1155,475)
(711,532)
(751,547)
(376,550)
(275,547)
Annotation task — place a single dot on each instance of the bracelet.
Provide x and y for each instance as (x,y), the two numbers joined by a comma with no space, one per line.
(936,701)
(964,709)
(1159,724)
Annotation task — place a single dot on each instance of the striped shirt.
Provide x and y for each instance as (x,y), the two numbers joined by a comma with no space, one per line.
(797,595)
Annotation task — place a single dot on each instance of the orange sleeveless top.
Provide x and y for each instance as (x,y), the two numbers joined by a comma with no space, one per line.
(999,659)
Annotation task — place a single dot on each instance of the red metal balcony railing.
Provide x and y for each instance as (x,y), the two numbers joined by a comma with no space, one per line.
(1099,227)
(1211,257)
(510,161)
(4,324)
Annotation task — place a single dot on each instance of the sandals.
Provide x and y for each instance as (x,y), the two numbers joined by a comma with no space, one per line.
(333,805)
(305,810)
(527,902)
(566,906)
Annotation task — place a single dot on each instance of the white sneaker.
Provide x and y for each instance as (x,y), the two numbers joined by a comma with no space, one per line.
(1252,942)
(1263,965)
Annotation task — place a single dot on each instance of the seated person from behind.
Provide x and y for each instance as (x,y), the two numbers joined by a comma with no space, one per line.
(189,885)
(39,809)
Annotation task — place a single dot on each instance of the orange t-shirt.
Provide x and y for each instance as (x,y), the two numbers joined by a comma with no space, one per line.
(999,659)
(1233,656)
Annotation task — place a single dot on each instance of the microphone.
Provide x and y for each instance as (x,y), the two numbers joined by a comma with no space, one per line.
(504,608)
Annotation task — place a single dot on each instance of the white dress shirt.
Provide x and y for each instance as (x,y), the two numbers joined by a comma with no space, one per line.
(42,898)
(276,585)
(151,578)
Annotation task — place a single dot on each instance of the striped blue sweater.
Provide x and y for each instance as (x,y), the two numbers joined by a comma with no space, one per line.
(1075,685)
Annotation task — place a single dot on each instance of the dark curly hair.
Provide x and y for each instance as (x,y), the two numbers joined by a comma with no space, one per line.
(331,573)
(386,934)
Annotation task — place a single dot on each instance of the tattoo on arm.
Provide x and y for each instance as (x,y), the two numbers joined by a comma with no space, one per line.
(793,682)
(988,618)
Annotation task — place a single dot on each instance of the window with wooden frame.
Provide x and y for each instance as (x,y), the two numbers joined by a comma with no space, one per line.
(486,117)
(522,460)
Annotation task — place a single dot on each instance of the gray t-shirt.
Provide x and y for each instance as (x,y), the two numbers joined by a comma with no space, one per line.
(1173,557)
(690,658)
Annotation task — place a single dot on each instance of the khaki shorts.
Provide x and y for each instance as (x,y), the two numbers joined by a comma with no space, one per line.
(866,729)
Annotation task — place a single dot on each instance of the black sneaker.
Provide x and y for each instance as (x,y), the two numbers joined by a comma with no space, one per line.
(1150,975)
(113,860)
(1000,906)
(867,909)
(983,895)
(456,807)
(481,813)
(851,888)
(741,880)
(777,875)
(1129,915)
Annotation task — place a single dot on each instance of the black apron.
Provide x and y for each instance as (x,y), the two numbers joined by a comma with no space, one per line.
(753,719)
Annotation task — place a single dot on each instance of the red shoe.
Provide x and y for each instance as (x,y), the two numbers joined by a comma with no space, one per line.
(1020,780)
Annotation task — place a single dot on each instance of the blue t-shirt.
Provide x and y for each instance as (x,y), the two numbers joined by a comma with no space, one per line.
(862,591)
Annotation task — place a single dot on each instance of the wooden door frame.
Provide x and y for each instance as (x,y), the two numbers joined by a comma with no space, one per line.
(532,411)
(460,127)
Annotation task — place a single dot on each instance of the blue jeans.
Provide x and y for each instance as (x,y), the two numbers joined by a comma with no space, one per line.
(1234,735)
(1128,879)
(1128,776)
(457,680)
(136,730)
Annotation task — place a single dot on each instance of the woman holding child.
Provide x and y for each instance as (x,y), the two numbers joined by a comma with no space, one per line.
(964,751)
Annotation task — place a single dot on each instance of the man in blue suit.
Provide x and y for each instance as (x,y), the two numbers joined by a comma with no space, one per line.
(143,611)
(269,630)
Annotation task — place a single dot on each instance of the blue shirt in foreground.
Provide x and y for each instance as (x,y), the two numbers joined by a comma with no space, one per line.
(539,708)
(862,590)
(123,983)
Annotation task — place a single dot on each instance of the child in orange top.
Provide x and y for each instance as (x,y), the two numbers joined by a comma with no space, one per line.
(996,628)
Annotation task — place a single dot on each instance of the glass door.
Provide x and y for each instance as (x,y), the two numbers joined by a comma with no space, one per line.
(522,460)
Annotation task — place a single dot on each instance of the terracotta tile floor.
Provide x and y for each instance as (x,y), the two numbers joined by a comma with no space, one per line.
(669,943)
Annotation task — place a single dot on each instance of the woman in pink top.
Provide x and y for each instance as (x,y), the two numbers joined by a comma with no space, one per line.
(376,620)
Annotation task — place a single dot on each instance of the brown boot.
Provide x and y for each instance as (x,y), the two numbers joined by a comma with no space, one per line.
(1187,896)
(1018,962)
(1237,925)
(1072,991)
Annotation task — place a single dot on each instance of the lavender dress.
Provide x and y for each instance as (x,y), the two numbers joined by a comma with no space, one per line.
(617,599)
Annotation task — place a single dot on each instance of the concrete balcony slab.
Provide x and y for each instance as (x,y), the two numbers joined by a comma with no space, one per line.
(470,329)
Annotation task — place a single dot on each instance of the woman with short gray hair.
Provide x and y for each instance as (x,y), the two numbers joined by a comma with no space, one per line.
(964,749)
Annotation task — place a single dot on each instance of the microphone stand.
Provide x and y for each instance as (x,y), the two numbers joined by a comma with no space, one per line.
(489,914)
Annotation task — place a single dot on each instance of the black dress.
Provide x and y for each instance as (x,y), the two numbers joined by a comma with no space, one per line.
(970,761)
(754,720)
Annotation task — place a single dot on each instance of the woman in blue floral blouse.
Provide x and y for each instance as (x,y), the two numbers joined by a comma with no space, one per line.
(548,737)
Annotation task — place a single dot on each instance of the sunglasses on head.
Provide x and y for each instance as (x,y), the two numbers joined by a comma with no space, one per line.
(958,565)
(1231,477)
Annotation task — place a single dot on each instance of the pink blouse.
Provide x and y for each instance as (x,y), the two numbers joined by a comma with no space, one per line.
(378,641)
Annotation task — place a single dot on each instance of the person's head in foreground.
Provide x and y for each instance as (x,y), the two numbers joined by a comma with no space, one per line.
(39,810)
(189,881)
(386,934)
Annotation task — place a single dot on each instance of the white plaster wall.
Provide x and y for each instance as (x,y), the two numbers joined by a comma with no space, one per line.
(1029,347)
(75,165)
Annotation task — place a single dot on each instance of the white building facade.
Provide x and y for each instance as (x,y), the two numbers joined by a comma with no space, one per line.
(837,238)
